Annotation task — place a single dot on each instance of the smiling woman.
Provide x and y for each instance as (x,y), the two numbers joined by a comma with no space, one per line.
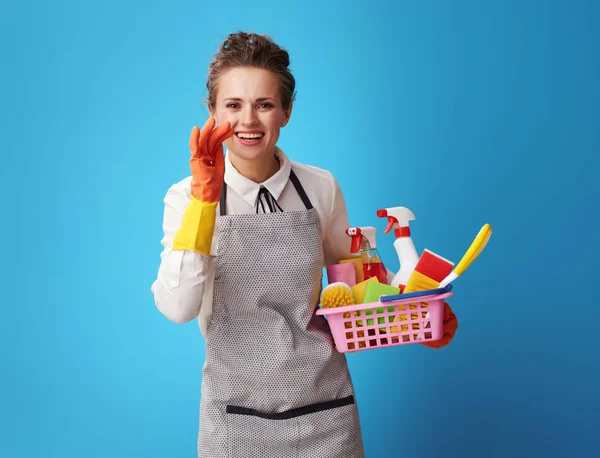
(246,238)
(245,241)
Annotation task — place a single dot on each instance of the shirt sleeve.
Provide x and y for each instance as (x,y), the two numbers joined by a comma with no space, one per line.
(180,283)
(336,243)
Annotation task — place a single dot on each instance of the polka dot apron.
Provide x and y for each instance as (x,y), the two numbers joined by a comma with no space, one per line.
(273,384)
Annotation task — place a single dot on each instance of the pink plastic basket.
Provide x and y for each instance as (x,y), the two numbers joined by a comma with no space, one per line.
(387,323)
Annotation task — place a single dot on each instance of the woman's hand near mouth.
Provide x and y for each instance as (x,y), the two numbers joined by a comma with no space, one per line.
(207,163)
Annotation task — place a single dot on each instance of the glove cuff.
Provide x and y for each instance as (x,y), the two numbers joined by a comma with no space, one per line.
(197,228)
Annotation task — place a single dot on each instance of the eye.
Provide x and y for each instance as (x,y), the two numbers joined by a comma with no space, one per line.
(265,106)
(232,105)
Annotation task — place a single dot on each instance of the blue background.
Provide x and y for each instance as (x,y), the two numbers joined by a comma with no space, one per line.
(467,112)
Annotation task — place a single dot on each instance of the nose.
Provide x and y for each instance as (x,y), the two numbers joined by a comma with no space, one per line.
(249,117)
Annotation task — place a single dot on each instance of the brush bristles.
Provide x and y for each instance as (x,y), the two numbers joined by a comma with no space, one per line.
(336,295)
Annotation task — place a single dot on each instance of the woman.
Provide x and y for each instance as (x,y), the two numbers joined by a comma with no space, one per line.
(273,385)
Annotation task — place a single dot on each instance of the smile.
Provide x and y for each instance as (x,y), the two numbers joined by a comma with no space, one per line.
(250,136)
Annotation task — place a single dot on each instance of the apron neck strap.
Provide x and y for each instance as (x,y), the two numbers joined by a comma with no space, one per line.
(300,190)
(295,181)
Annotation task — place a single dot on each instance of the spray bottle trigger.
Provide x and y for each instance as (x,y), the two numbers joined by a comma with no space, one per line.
(356,243)
(356,235)
(391,223)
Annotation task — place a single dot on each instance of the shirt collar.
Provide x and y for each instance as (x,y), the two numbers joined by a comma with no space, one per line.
(248,189)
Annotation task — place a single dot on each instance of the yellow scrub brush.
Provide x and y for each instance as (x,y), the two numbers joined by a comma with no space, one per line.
(336,294)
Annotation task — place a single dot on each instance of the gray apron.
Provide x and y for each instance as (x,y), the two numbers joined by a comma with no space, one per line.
(273,384)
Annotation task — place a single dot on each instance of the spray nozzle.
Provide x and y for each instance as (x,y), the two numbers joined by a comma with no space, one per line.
(392,222)
(398,218)
(358,234)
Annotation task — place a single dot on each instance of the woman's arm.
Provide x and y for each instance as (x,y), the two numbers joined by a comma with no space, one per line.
(189,226)
(180,283)
(336,244)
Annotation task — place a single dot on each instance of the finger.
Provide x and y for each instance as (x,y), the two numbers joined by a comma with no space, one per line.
(194,140)
(219,163)
(218,144)
(204,136)
(219,135)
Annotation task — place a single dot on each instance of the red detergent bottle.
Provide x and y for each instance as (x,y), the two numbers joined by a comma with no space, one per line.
(364,243)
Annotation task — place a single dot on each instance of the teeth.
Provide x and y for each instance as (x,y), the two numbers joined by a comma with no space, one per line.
(249,136)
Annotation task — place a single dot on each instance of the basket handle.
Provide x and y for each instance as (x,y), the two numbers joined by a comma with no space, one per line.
(429,292)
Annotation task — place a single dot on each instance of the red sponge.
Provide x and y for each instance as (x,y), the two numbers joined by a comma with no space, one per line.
(434,266)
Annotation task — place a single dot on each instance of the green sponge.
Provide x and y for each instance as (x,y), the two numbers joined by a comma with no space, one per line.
(372,293)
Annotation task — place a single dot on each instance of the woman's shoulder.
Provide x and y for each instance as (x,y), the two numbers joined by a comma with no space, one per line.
(321,186)
(314,176)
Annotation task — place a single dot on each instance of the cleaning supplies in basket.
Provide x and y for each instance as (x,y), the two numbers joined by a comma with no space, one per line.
(351,334)
(411,308)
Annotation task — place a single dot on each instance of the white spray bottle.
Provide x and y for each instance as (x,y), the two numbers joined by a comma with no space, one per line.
(398,218)
(364,243)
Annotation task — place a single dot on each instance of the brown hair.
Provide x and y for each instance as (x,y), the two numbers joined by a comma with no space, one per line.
(251,50)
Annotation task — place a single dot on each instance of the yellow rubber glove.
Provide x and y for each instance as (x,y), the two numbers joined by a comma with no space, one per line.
(208,169)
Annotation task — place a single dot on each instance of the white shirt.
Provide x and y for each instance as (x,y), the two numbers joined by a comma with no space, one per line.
(183,289)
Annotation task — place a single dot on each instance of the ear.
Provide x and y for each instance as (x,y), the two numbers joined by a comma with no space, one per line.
(287,114)
(211,112)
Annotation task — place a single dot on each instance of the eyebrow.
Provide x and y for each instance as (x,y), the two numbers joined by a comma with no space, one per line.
(237,99)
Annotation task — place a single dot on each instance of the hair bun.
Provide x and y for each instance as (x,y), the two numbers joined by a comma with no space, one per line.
(243,42)
(240,40)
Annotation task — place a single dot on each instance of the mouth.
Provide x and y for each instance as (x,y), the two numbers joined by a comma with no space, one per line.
(250,138)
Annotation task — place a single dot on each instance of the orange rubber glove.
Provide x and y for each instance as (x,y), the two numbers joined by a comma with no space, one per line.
(207,165)
(448,330)
(207,162)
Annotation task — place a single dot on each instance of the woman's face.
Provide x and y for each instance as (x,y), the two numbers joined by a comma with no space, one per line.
(249,99)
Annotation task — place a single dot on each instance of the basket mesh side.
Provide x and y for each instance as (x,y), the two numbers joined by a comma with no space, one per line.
(391,324)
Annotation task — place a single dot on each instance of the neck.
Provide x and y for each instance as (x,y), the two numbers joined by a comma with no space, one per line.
(258,170)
